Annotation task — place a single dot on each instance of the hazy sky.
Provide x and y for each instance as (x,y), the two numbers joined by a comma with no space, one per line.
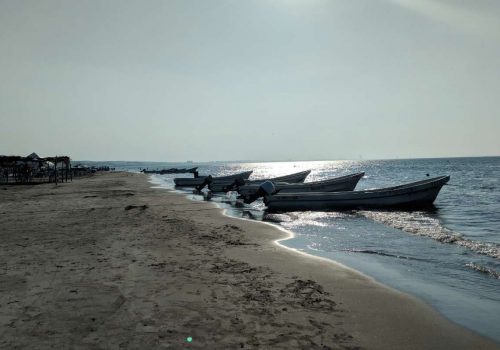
(258,80)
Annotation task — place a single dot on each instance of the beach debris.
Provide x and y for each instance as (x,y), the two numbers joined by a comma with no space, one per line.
(142,207)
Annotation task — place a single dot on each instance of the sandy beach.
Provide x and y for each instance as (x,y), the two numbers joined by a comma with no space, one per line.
(108,262)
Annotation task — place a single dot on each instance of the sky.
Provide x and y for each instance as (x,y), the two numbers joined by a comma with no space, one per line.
(177,80)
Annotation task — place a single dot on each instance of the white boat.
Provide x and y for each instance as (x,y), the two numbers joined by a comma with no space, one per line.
(218,185)
(415,195)
(338,184)
(197,181)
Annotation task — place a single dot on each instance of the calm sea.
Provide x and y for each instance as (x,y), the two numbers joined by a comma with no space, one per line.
(449,257)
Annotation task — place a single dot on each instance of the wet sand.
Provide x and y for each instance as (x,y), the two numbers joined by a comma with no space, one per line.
(108,262)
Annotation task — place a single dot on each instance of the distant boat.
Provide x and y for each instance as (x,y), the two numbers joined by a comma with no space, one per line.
(218,185)
(337,184)
(196,181)
(415,195)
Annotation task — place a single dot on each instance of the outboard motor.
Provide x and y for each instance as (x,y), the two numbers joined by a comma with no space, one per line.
(265,189)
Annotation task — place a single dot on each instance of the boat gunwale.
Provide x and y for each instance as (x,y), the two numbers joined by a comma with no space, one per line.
(335,180)
(220,181)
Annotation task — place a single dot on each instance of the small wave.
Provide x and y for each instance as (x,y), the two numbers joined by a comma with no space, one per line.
(318,219)
(481,248)
(314,246)
(484,269)
(368,251)
(423,225)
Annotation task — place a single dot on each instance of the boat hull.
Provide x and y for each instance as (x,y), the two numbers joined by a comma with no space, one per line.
(219,185)
(339,184)
(196,181)
(188,182)
(418,195)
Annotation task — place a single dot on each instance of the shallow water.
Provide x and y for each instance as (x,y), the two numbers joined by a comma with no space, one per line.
(449,257)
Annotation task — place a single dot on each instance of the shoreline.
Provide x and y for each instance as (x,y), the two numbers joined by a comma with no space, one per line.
(328,260)
(290,235)
(481,324)
(142,271)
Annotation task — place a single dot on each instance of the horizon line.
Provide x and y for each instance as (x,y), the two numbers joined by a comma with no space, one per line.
(280,160)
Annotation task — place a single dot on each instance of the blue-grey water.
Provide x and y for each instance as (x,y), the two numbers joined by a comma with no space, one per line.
(449,257)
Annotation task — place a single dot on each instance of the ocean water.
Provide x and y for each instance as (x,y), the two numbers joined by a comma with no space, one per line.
(448,257)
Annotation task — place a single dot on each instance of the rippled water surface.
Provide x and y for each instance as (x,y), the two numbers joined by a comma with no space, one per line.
(449,257)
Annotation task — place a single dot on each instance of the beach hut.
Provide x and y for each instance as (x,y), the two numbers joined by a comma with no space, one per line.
(34,169)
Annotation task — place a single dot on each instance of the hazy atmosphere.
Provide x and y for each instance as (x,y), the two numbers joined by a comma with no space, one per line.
(254,80)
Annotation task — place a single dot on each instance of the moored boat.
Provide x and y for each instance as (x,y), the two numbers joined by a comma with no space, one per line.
(218,185)
(338,184)
(197,181)
(192,170)
(292,178)
(415,195)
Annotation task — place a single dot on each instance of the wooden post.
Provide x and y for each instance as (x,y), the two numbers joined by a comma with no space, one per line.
(55,169)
